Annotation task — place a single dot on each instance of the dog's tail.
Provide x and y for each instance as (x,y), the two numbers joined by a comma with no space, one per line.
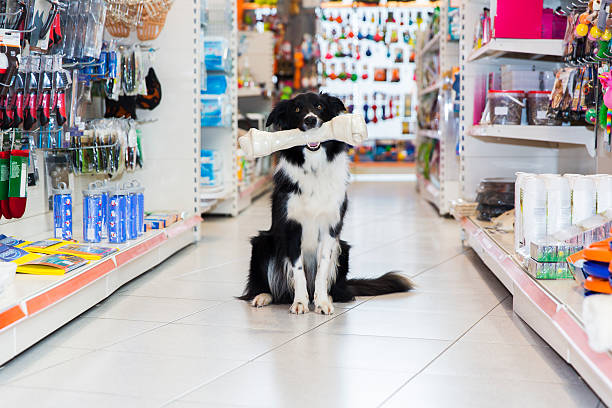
(390,282)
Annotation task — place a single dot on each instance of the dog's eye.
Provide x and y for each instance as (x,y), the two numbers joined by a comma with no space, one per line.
(297,109)
(319,107)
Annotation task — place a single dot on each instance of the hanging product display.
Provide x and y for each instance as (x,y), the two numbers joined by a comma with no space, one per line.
(365,62)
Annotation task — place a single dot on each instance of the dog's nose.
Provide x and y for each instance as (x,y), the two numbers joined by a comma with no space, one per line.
(310,122)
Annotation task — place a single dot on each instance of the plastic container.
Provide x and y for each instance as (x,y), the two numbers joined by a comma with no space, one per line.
(519,185)
(62,211)
(117,217)
(603,192)
(93,213)
(7,274)
(534,210)
(558,204)
(139,190)
(537,108)
(583,198)
(216,84)
(506,107)
(131,202)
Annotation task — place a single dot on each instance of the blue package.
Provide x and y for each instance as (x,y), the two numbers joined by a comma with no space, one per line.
(62,212)
(213,112)
(216,52)
(117,217)
(216,84)
(93,214)
(131,203)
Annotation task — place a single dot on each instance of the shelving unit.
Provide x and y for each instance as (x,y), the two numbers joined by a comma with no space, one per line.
(222,22)
(576,135)
(551,308)
(499,150)
(448,54)
(34,306)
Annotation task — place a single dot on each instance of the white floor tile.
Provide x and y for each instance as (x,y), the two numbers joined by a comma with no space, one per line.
(92,333)
(504,362)
(504,330)
(205,341)
(36,358)
(396,323)
(442,391)
(149,309)
(139,375)
(360,352)
(174,288)
(12,396)
(239,313)
(263,384)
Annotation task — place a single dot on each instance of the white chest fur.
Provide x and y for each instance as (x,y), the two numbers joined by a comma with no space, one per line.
(323,188)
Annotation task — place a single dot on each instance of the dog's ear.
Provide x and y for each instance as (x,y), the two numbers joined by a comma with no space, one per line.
(334,105)
(280,114)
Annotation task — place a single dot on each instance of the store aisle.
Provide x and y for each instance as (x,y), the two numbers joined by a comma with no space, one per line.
(177,337)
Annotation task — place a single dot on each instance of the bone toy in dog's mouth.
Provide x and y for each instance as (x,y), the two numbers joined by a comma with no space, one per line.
(349,128)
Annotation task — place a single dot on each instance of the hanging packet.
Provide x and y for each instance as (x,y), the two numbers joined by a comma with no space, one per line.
(4,184)
(18,180)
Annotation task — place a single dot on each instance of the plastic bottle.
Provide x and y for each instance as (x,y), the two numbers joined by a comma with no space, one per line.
(558,204)
(117,217)
(603,192)
(93,213)
(583,199)
(519,238)
(534,210)
(62,211)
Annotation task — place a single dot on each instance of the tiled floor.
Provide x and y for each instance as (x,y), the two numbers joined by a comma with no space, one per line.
(176,336)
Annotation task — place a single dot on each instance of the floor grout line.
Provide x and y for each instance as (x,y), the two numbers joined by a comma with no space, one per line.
(441,353)
(253,359)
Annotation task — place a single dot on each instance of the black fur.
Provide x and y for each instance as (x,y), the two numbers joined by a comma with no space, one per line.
(282,242)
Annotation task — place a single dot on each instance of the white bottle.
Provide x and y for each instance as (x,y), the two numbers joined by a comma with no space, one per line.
(583,199)
(519,186)
(603,192)
(558,204)
(534,210)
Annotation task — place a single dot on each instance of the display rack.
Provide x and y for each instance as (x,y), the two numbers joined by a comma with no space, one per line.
(34,306)
(444,187)
(551,308)
(502,150)
(221,21)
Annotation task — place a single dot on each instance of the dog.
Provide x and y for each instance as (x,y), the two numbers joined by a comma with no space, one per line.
(301,257)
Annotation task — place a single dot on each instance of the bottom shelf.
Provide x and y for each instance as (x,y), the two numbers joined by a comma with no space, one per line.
(34,306)
(551,308)
(428,190)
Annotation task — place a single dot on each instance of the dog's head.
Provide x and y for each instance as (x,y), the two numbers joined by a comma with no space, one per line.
(305,111)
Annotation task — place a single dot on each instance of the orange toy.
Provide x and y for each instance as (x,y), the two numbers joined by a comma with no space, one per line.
(598,253)
(298,58)
(597,285)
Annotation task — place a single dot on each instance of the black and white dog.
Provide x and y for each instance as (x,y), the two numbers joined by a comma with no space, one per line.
(301,257)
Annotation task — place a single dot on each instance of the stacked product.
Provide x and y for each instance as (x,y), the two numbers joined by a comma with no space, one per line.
(48,257)
(495,196)
(594,262)
(216,110)
(115,214)
(558,215)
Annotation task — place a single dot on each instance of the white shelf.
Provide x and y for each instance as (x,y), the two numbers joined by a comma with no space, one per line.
(431,45)
(497,47)
(429,191)
(549,307)
(431,88)
(247,92)
(34,306)
(580,135)
(433,134)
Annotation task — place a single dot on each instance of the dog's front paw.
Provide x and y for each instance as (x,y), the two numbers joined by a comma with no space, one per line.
(324,305)
(261,300)
(299,307)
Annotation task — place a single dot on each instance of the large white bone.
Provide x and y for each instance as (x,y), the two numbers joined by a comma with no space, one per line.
(349,128)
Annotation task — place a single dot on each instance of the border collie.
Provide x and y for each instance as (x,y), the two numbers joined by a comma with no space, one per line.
(301,257)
